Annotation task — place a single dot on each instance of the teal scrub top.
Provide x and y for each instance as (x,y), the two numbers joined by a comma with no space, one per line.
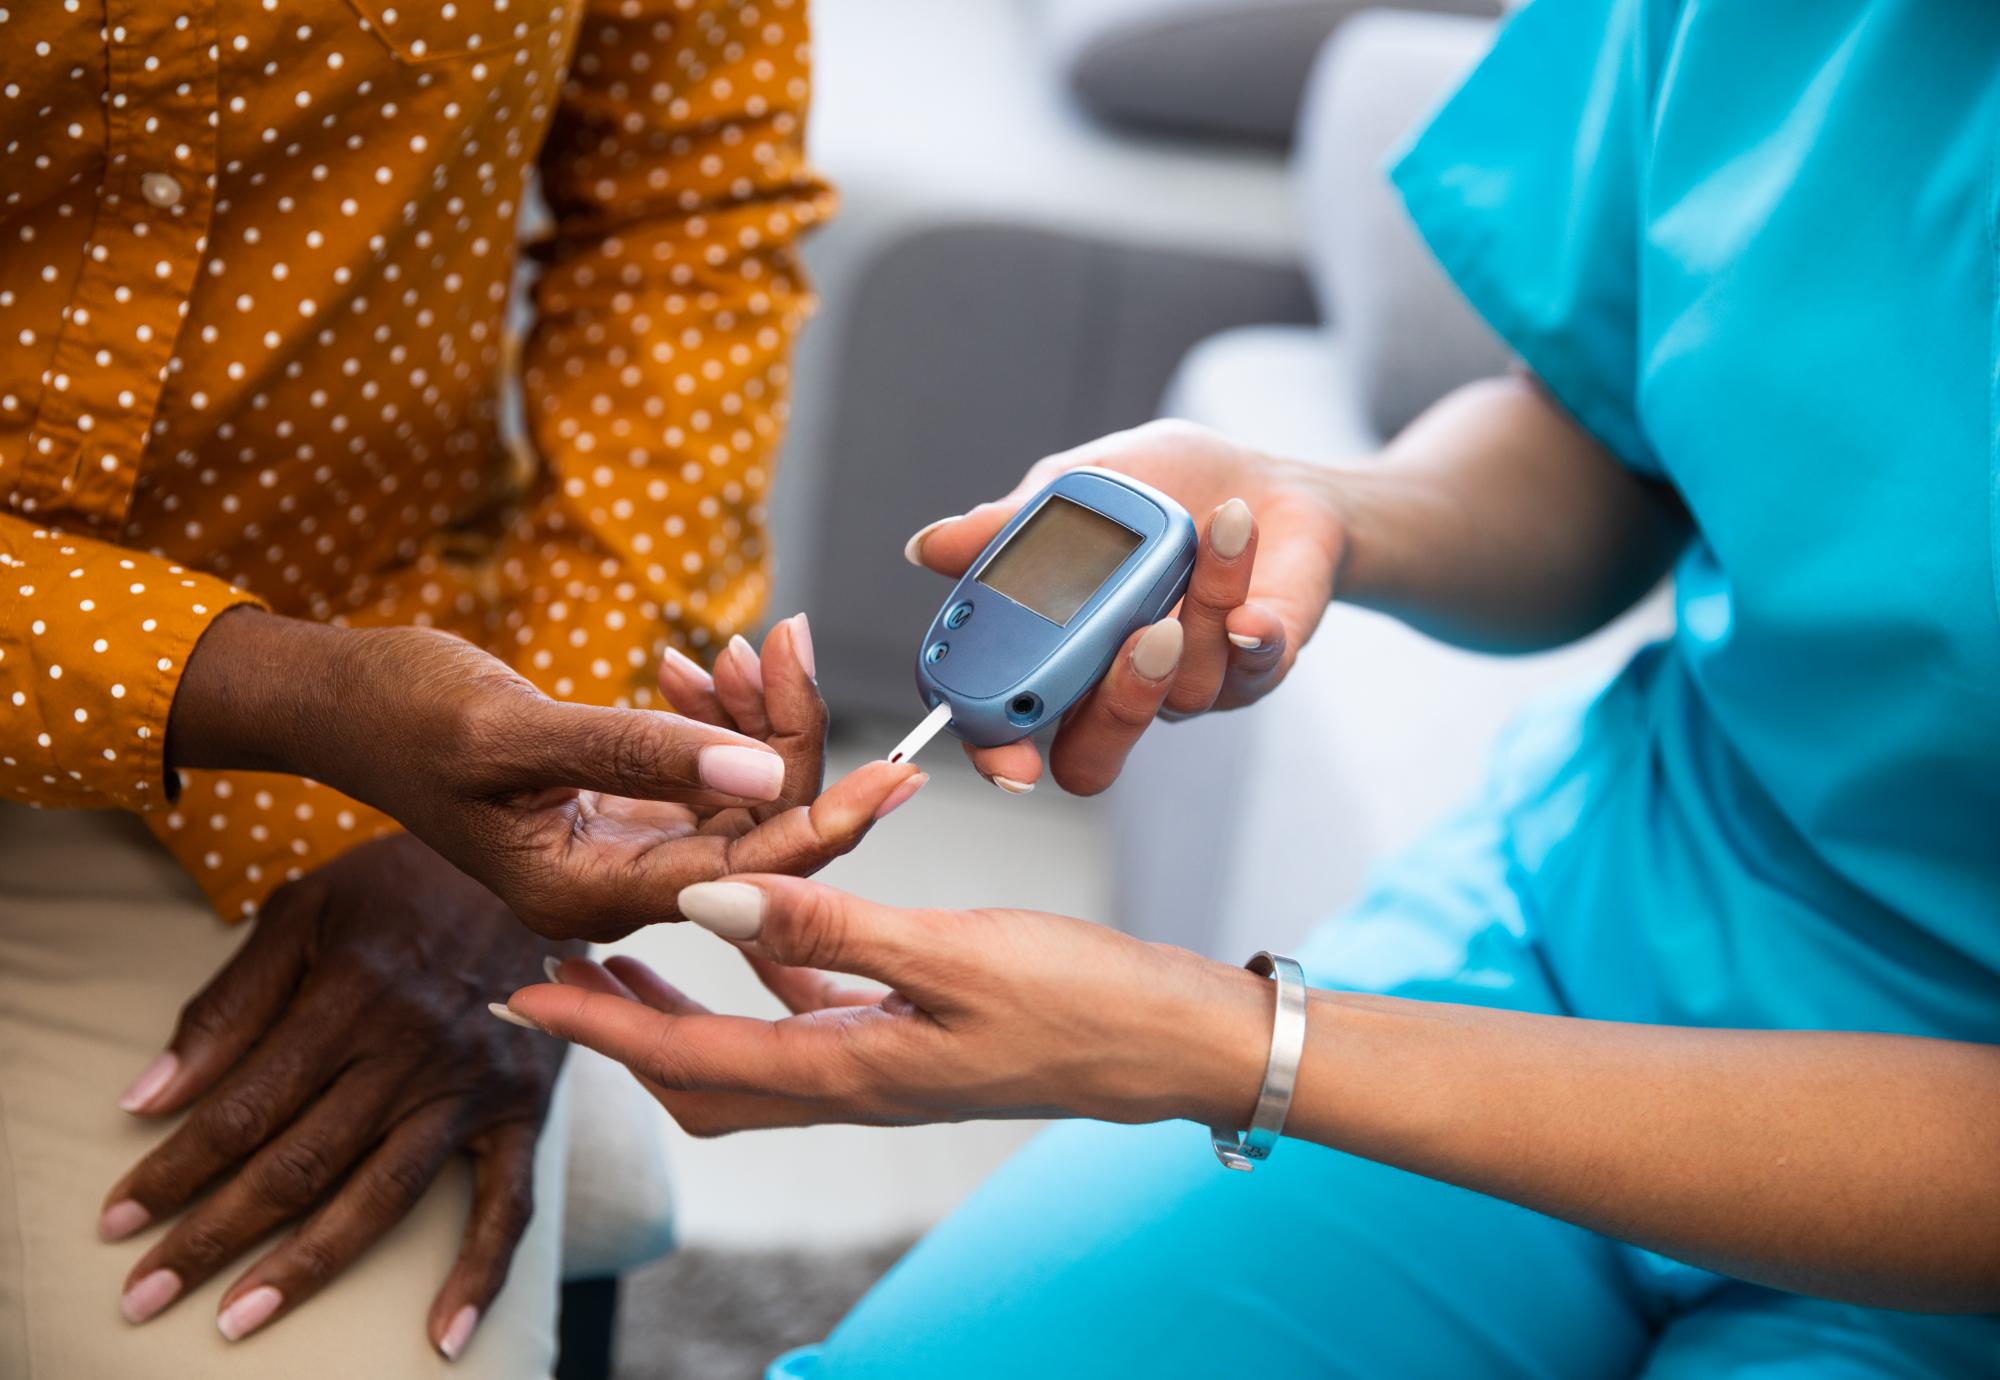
(1751,246)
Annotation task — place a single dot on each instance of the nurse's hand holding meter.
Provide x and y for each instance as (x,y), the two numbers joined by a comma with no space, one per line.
(1092,543)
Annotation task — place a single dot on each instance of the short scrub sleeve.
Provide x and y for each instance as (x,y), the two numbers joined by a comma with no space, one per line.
(1526,186)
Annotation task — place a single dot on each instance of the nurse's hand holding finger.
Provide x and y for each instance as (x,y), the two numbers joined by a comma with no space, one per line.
(1774,1156)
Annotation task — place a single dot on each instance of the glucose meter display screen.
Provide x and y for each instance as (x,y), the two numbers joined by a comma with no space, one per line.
(1058,558)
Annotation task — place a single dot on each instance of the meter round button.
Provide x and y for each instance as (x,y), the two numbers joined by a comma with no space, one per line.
(959,614)
(938,652)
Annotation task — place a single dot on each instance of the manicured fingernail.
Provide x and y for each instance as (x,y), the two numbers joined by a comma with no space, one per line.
(802,643)
(249,1313)
(1011,786)
(459,1333)
(751,773)
(913,549)
(150,1081)
(899,795)
(1246,642)
(746,657)
(121,1219)
(1158,650)
(510,1015)
(553,967)
(149,1295)
(1229,530)
(684,661)
(734,910)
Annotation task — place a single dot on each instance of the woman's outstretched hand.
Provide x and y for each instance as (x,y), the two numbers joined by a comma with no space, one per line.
(991,1013)
(586,821)
(1271,544)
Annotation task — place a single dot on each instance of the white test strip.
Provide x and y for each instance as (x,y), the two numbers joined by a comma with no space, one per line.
(922,733)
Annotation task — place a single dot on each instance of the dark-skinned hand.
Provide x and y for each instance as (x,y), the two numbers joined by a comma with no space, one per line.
(586,821)
(328,1072)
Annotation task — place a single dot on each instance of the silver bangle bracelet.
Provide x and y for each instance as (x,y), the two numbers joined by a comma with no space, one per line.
(1245,1149)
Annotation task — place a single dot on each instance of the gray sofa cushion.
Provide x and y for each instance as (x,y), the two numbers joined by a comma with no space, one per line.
(1231,69)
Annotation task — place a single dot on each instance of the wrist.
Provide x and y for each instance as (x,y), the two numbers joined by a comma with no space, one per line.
(1219,1041)
(258,694)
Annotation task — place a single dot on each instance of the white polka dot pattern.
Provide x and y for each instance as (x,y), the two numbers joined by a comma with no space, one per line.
(255,262)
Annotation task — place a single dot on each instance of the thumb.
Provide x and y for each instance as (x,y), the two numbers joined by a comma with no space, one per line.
(950,545)
(642,754)
(804,924)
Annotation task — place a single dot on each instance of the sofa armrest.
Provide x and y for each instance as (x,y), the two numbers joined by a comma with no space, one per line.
(1408,337)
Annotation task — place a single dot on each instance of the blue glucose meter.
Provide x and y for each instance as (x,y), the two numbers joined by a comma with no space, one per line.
(1036,620)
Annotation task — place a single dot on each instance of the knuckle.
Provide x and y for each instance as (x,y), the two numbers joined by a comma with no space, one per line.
(1130,713)
(292,1174)
(516,1207)
(206,1018)
(817,932)
(313,1258)
(396,1185)
(204,1242)
(235,1122)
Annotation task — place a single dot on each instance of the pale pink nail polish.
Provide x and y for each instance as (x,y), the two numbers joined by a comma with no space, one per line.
(149,1295)
(802,642)
(1011,786)
(750,773)
(746,657)
(899,795)
(510,1015)
(150,1081)
(452,1344)
(249,1313)
(121,1219)
(684,661)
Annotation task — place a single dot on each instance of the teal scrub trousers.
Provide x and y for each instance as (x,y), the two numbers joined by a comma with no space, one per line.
(1751,247)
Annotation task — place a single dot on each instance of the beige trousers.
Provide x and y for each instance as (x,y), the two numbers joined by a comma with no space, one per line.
(101,939)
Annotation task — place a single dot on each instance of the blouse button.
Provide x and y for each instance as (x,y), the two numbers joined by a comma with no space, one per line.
(160,189)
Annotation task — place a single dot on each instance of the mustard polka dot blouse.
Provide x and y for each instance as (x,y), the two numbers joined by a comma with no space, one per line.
(256,258)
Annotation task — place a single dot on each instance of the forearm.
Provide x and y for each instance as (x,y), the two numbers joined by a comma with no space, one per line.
(1856,1166)
(1496,522)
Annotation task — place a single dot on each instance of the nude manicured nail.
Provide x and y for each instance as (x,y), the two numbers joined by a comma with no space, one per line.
(684,662)
(746,657)
(249,1313)
(913,549)
(901,794)
(1158,650)
(150,1081)
(734,910)
(452,1344)
(1246,642)
(553,967)
(121,1219)
(751,773)
(510,1015)
(1229,532)
(150,1295)
(802,643)
(1011,786)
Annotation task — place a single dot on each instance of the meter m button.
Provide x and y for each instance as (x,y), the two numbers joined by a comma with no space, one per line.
(959,614)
